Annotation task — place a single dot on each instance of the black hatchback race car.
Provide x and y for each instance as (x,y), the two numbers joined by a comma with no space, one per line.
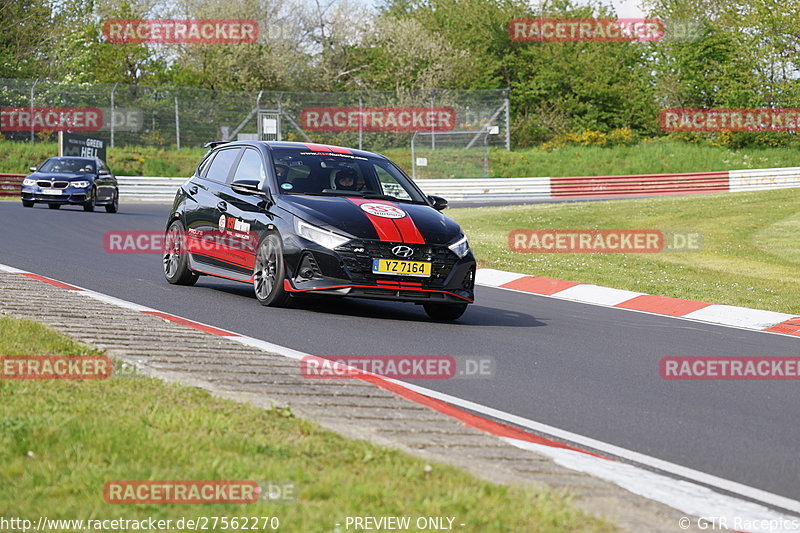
(84,181)
(296,218)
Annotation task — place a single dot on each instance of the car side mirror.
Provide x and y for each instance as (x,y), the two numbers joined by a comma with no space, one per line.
(247,187)
(438,202)
(103,172)
(33,169)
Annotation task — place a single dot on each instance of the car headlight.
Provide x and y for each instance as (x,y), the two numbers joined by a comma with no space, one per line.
(460,247)
(323,237)
(80,184)
(28,182)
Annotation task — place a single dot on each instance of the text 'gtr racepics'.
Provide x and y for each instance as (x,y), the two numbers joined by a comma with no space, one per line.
(295,218)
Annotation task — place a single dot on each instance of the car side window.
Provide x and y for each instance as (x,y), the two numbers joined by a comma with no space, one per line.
(221,165)
(202,168)
(250,168)
(389,185)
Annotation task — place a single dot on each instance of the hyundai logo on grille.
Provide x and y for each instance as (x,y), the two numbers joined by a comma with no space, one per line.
(402,251)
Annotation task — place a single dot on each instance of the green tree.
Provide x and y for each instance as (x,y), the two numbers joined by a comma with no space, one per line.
(25,38)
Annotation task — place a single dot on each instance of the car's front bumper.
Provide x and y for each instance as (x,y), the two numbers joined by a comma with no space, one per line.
(69,195)
(347,271)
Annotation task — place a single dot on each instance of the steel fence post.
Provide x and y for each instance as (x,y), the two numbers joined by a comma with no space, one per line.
(508,120)
(360,118)
(177,124)
(113,113)
(32,86)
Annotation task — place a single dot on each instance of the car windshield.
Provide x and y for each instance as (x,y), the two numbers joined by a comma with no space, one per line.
(61,165)
(341,174)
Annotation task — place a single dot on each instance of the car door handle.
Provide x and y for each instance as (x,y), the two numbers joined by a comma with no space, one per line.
(193,189)
(222,206)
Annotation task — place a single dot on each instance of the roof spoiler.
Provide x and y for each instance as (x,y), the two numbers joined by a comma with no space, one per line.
(214,144)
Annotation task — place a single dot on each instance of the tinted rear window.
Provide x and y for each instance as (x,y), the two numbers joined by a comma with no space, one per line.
(221,165)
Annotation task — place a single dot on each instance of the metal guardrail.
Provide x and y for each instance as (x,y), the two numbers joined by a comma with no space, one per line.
(759,180)
(148,189)
(162,189)
(639,185)
(11,184)
(156,189)
(544,188)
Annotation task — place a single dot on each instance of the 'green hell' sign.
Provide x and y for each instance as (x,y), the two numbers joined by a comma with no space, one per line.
(82,146)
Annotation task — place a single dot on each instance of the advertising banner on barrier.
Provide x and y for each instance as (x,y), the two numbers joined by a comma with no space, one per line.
(72,144)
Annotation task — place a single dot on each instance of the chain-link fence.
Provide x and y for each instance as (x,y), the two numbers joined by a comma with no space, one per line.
(451,154)
(131,115)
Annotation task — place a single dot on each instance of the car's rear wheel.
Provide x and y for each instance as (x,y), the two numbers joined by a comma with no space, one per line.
(176,256)
(114,205)
(90,204)
(26,203)
(445,311)
(54,206)
(269,273)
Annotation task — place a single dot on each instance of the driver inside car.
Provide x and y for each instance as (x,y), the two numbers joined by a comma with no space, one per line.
(345,179)
(281,171)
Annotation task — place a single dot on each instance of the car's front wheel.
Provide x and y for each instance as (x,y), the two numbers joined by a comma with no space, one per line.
(114,205)
(26,203)
(269,272)
(54,206)
(445,311)
(91,203)
(176,256)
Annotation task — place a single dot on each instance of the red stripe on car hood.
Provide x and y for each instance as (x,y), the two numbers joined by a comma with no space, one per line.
(392,229)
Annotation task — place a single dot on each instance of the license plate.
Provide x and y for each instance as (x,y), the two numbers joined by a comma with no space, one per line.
(54,192)
(401,268)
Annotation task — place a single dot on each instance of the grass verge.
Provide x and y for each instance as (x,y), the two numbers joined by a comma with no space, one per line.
(751,253)
(62,440)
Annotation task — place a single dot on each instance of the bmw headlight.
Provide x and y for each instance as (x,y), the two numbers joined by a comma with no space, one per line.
(80,184)
(323,237)
(460,247)
(28,182)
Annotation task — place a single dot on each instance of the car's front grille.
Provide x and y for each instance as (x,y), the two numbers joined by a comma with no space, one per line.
(358,255)
(52,184)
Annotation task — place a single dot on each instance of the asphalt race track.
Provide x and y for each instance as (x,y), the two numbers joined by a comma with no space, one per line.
(583,368)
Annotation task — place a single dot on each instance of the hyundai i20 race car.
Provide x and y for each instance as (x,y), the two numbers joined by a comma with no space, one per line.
(84,181)
(295,218)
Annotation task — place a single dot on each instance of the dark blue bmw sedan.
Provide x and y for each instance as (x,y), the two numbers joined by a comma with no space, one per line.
(83,181)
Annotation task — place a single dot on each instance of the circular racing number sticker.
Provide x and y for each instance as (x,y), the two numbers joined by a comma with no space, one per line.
(383,210)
